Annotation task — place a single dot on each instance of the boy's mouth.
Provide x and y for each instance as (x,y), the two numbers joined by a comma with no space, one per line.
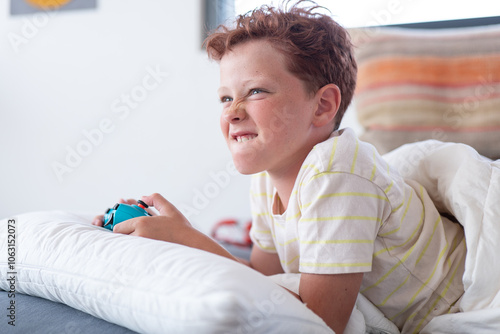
(244,138)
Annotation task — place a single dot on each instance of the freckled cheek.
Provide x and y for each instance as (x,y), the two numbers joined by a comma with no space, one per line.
(281,124)
(276,134)
(267,115)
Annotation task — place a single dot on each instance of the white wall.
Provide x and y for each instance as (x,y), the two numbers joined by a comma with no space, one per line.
(64,82)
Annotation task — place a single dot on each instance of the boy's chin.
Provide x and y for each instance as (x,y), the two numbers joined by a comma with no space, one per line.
(246,169)
(246,162)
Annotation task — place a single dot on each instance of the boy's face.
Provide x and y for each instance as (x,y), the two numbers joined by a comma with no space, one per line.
(267,113)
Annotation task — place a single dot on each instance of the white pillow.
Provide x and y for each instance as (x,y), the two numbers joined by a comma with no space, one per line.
(146,285)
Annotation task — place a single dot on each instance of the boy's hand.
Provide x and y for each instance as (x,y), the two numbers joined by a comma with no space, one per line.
(99,220)
(170,225)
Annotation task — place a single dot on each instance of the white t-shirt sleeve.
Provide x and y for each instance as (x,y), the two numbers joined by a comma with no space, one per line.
(341,214)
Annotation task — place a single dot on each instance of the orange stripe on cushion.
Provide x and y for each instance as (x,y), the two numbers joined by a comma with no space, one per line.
(427,97)
(448,71)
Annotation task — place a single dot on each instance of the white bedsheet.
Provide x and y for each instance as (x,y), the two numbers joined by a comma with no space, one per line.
(467,185)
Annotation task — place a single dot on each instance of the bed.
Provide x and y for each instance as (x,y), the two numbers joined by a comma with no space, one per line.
(60,274)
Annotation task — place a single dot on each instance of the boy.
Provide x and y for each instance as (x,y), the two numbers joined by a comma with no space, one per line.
(323,203)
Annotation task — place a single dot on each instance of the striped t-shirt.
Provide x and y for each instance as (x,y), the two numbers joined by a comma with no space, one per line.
(350,212)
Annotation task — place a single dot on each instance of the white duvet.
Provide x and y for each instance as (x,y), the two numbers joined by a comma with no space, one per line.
(156,287)
(466,185)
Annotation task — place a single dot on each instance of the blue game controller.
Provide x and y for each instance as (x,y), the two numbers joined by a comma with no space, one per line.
(121,212)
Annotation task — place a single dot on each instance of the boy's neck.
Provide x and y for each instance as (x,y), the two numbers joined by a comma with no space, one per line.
(284,181)
(284,187)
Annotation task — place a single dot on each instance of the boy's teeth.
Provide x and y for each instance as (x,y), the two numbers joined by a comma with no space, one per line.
(243,139)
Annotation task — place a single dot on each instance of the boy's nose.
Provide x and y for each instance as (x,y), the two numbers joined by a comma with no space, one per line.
(236,113)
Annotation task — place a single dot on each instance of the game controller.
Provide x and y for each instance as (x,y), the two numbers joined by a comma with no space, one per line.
(121,212)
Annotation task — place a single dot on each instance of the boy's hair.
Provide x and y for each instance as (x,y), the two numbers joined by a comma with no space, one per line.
(318,49)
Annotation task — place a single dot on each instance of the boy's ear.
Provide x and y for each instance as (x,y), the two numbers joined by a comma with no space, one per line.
(328,98)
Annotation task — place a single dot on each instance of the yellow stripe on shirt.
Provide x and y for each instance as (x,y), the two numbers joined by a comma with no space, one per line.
(334,148)
(441,296)
(393,292)
(258,175)
(374,169)
(424,284)
(436,224)
(264,194)
(336,265)
(262,231)
(378,219)
(346,241)
(402,219)
(345,194)
(293,217)
(355,156)
(389,187)
(290,261)
(407,240)
(262,214)
(318,175)
(398,207)
(265,247)
(316,170)
(381,279)
(286,243)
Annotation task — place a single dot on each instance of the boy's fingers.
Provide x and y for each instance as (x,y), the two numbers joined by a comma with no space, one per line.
(157,201)
(98,220)
(127,201)
(125,227)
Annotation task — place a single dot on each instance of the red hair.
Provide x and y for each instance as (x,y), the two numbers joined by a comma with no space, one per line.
(318,49)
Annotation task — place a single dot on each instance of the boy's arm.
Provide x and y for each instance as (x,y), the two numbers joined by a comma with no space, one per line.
(172,226)
(264,262)
(332,297)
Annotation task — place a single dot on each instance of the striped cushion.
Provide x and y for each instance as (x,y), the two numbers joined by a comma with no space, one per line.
(429,84)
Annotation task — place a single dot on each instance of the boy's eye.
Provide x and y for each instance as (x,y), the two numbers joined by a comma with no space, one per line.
(256,91)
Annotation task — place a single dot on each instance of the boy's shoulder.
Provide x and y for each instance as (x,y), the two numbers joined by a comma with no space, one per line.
(345,153)
(341,152)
